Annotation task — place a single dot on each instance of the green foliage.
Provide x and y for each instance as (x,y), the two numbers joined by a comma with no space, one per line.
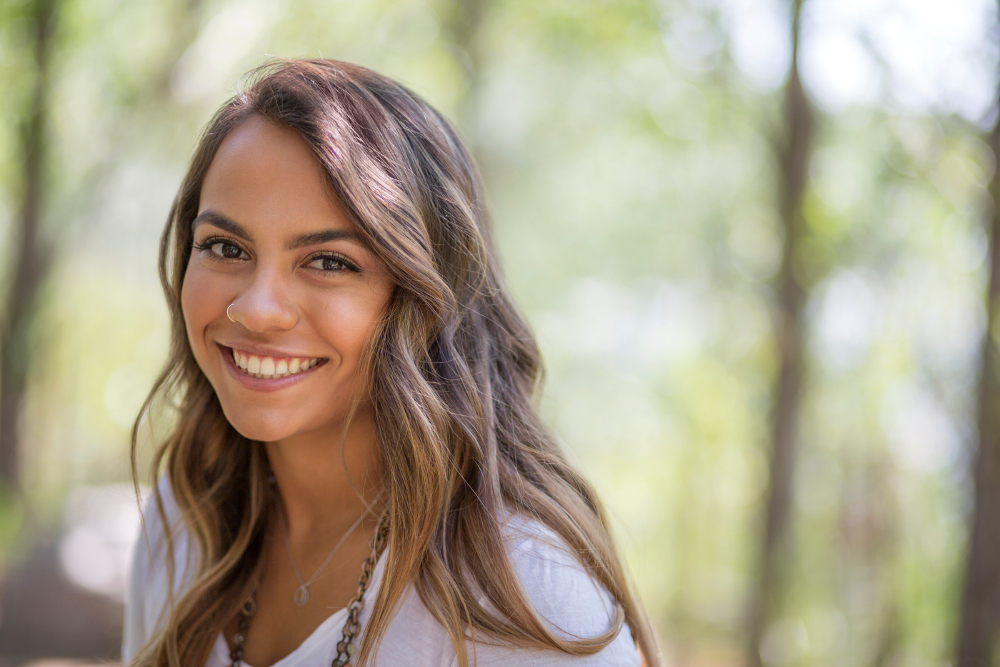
(11,520)
(630,171)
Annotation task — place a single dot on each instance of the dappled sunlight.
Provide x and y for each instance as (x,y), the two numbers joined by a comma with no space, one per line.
(630,151)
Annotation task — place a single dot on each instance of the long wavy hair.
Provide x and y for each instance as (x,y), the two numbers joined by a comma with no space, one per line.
(453,369)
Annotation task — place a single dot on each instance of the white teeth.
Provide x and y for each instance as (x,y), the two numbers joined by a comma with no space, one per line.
(268,367)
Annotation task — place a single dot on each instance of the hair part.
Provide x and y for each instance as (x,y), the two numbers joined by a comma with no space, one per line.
(454,372)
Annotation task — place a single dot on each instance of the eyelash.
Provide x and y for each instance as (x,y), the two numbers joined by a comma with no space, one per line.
(347,264)
(208,243)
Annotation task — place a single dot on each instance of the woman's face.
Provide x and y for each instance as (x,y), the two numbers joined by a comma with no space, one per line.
(273,241)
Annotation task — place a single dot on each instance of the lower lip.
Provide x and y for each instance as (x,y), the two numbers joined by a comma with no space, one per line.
(263,384)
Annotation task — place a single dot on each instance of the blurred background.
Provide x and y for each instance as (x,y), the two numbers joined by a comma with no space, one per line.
(753,236)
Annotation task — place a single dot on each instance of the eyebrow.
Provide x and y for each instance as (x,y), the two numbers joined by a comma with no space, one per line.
(222,222)
(236,229)
(315,238)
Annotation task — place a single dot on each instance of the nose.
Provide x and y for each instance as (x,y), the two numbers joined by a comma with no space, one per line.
(265,304)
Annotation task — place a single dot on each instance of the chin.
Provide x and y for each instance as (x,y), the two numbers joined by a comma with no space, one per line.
(258,425)
(259,433)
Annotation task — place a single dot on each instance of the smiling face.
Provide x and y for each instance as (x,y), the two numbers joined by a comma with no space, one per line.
(272,240)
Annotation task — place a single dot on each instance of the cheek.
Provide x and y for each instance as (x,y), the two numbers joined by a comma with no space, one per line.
(346,326)
(199,304)
(348,323)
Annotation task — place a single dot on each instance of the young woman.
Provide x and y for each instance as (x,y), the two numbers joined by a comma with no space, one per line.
(358,473)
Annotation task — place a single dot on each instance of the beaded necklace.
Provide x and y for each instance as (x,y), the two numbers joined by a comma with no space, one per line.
(346,648)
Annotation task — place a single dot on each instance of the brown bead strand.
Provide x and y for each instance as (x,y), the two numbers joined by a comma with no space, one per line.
(346,647)
(246,611)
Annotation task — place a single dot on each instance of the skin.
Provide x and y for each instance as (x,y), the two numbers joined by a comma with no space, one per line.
(263,190)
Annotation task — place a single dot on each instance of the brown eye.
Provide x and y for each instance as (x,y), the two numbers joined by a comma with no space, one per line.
(331,264)
(226,250)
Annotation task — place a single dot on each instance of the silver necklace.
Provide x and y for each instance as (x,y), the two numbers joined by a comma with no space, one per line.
(301,596)
(346,647)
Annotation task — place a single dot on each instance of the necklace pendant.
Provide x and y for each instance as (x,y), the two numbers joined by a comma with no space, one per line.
(301,596)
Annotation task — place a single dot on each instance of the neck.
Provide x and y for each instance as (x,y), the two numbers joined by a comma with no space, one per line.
(327,480)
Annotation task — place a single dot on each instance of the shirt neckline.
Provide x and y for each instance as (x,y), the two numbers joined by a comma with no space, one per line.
(316,642)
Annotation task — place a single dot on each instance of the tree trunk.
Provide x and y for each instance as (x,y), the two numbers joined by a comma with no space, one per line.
(980,612)
(463,31)
(793,153)
(29,258)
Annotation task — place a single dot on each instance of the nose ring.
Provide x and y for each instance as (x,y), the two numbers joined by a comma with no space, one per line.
(227,311)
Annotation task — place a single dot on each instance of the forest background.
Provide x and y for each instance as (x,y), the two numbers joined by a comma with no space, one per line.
(753,237)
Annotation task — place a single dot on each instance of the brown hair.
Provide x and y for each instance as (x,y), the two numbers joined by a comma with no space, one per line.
(454,371)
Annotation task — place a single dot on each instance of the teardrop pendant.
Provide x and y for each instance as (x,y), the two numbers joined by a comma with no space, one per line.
(301,596)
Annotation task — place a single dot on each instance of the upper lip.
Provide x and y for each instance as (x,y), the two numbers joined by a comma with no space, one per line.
(267,351)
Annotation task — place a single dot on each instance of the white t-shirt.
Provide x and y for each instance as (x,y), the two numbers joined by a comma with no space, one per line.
(559,587)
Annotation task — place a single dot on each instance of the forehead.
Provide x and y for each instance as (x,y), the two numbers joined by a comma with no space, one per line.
(265,177)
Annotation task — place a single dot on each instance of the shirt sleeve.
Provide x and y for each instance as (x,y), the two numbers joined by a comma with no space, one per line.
(146,596)
(134,633)
(569,599)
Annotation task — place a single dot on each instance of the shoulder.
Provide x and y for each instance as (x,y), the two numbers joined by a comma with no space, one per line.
(563,591)
(556,584)
(149,584)
(162,517)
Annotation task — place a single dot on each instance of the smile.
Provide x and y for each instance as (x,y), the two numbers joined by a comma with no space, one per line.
(272,367)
